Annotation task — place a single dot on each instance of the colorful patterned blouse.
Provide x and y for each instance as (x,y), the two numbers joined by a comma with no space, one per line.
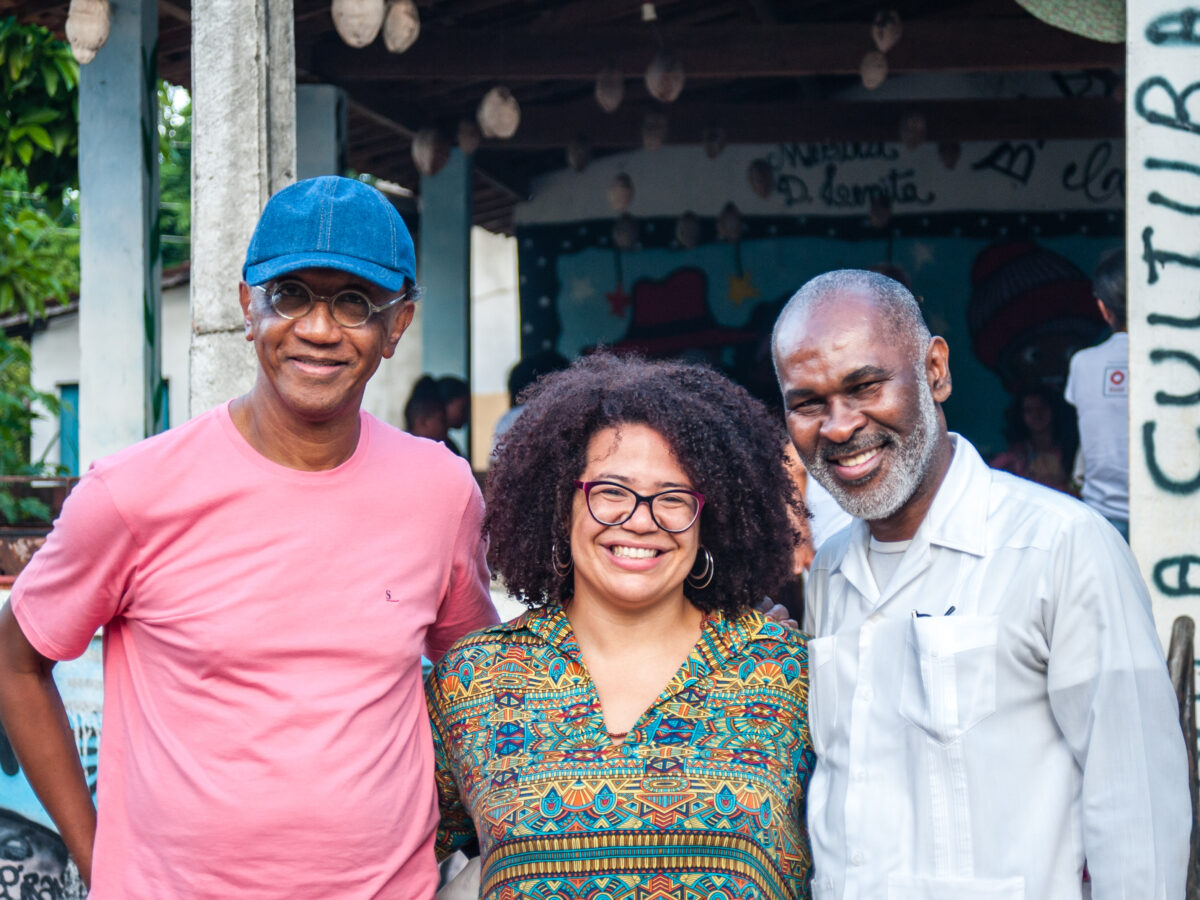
(703,799)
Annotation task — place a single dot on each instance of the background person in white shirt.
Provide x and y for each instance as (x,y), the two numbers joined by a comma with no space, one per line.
(1098,388)
(988,697)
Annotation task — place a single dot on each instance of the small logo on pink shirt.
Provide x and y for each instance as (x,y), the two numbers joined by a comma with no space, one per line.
(387,595)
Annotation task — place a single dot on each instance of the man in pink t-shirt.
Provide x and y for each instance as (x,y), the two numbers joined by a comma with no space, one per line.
(268,576)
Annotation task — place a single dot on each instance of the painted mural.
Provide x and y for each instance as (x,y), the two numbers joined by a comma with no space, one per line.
(33,858)
(998,240)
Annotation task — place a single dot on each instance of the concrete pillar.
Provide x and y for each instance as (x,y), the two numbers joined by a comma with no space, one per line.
(1163,256)
(321,130)
(243,150)
(120,267)
(444,270)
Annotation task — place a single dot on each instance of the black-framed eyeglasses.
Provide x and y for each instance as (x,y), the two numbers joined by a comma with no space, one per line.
(349,308)
(673,510)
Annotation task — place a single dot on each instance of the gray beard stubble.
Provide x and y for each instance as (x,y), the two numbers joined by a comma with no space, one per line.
(909,466)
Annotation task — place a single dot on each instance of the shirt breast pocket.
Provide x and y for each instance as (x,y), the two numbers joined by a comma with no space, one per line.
(822,692)
(949,680)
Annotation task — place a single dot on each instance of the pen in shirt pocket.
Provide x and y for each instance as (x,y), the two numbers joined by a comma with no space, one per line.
(921,615)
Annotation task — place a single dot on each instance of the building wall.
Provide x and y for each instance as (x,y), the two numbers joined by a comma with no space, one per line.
(56,362)
(495,335)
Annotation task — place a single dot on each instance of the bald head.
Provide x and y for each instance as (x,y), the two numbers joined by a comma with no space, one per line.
(862,380)
(902,318)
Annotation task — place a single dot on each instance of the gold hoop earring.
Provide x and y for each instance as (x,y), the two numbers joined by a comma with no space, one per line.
(563,569)
(702,579)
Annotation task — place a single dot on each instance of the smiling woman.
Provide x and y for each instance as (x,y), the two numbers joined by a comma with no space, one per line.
(639,727)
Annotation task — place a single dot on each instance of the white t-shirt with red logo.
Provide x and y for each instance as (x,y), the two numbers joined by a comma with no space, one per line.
(265,731)
(1098,388)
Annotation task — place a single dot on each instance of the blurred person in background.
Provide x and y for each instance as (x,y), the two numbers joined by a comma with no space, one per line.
(1098,388)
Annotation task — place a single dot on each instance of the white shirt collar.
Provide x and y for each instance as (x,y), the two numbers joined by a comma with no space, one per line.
(957,520)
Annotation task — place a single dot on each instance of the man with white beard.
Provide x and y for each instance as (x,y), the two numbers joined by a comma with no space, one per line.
(988,697)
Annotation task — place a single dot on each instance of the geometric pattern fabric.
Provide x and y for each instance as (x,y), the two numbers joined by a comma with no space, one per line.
(702,800)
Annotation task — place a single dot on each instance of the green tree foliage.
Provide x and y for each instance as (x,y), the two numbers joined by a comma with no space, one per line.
(39,237)
(39,233)
(20,404)
(39,117)
(175,173)
(39,250)
(39,149)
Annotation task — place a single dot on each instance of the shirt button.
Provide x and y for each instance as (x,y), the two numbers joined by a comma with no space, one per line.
(857,858)
(867,695)
(860,774)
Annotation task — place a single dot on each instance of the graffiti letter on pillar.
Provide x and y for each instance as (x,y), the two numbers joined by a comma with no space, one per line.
(1173,321)
(1160,477)
(1155,258)
(1177,166)
(1175,29)
(1179,117)
(1162,398)
(1178,585)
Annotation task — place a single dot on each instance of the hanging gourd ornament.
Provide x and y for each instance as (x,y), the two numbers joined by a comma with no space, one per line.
(579,153)
(886,29)
(873,69)
(761,177)
(469,137)
(499,114)
(714,140)
(620,192)
(401,26)
(687,230)
(358,21)
(654,131)
(625,232)
(87,28)
(912,130)
(949,152)
(610,88)
(665,77)
(430,151)
(729,224)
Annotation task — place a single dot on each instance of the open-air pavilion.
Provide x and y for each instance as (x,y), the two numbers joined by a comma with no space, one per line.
(800,140)
(678,168)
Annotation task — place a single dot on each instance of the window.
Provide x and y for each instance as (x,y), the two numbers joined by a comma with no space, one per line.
(68,428)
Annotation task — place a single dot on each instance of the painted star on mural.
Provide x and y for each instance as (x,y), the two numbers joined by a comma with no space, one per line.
(922,255)
(741,288)
(581,290)
(618,301)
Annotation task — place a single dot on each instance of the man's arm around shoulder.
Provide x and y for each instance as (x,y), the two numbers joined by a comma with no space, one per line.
(36,722)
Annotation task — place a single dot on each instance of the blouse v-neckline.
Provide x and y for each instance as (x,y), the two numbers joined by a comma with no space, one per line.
(718,640)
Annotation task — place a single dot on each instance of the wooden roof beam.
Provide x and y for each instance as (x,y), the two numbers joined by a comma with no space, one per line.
(727,52)
(788,121)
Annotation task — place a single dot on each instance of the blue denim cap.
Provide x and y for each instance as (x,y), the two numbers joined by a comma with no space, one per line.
(331,223)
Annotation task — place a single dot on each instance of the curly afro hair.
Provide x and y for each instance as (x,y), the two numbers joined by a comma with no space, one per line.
(730,446)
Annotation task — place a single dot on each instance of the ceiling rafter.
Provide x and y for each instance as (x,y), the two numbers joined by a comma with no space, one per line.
(728,52)
(805,120)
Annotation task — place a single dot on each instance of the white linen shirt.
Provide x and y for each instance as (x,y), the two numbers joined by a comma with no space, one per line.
(985,752)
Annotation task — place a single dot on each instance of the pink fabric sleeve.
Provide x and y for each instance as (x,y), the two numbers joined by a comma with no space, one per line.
(466,605)
(77,581)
